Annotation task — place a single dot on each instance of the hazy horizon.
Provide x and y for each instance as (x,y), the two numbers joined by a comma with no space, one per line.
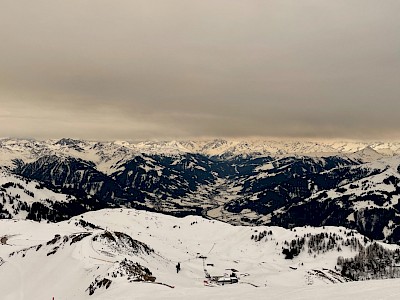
(165,70)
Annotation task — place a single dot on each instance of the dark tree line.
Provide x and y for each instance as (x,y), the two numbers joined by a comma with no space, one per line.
(321,243)
(372,262)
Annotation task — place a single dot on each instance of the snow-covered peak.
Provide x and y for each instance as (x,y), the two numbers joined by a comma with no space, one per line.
(106,154)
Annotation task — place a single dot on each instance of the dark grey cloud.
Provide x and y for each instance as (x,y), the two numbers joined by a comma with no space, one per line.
(175,69)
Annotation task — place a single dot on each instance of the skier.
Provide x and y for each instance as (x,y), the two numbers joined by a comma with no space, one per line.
(178,267)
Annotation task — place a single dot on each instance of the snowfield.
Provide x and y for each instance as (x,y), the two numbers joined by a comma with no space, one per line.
(130,254)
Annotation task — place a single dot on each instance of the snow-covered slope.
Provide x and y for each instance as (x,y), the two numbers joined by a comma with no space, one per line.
(369,203)
(125,254)
(18,195)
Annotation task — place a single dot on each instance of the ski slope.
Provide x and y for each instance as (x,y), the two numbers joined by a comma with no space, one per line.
(63,260)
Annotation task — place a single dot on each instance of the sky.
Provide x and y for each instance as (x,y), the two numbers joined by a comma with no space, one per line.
(179,69)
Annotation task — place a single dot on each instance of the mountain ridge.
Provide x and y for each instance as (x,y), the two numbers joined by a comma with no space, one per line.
(213,147)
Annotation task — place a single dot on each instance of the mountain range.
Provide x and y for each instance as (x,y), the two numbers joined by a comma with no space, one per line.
(253,182)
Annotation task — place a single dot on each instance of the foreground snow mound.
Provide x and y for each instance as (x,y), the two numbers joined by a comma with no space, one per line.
(86,262)
(117,253)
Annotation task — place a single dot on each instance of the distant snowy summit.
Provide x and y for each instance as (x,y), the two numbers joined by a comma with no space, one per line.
(31,148)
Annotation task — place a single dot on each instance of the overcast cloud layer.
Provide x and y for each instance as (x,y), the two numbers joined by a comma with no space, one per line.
(129,69)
